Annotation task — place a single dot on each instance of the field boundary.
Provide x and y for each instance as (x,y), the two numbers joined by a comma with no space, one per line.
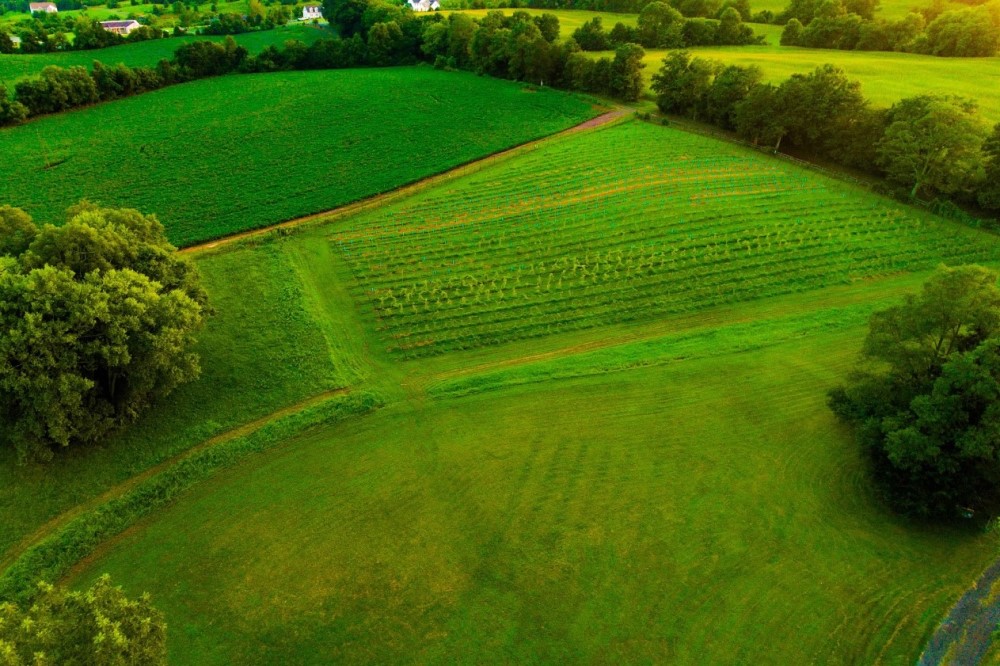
(876,187)
(601,121)
(120,490)
(964,635)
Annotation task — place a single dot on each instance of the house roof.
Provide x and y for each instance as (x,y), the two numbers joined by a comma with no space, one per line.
(36,6)
(119,24)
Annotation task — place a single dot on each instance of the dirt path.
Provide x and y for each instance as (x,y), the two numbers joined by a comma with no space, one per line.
(965,634)
(386,198)
(120,489)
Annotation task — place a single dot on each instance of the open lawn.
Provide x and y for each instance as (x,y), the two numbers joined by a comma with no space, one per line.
(223,155)
(641,482)
(708,510)
(885,77)
(17,66)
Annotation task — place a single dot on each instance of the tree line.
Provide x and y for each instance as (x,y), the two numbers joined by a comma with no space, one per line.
(833,24)
(661,26)
(518,47)
(927,146)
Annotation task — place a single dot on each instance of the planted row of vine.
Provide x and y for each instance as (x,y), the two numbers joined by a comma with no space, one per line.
(626,224)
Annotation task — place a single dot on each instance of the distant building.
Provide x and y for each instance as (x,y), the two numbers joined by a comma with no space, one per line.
(424,5)
(47,7)
(310,12)
(16,41)
(120,27)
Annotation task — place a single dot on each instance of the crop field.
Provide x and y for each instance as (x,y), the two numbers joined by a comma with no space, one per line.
(223,155)
(885,78)
(630,223)
(16,66)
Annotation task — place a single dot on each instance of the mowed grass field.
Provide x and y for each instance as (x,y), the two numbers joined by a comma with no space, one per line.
(17,66)
(662,484)
(223,155)
(885,78)
(702,512)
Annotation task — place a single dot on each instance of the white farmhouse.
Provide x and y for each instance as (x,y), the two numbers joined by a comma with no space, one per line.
(47,7)
(310,12)
(122,28)
(424,5)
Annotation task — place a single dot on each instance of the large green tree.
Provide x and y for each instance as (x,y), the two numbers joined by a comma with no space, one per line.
(925,398)
(99,316)
(933,145)
(989,192)
(97,627)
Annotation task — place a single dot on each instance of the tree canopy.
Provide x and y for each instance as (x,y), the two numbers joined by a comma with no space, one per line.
(100,627)
(100,316)
(925,398)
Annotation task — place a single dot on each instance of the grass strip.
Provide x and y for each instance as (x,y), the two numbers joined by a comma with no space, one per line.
(52,557)
(701,343)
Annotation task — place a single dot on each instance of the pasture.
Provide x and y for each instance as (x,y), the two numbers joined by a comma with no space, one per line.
(636,467)
(705,510)
(223,155)
(147,54)
(885,78)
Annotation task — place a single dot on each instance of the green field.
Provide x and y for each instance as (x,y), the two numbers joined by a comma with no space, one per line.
(625,228)
(282,356)
(639,482)
(103,13)
(885,77)
(223,155)
(571,19)
(17,66)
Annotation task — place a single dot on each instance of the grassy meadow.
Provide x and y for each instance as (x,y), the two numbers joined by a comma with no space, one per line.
(223,155)
(17,66)
(700,512)
(885,78)
(623,480)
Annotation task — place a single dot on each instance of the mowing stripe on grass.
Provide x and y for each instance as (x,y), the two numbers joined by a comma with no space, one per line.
(52,557)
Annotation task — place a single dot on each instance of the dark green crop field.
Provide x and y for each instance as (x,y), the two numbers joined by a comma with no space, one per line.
(219,156)
(16,66)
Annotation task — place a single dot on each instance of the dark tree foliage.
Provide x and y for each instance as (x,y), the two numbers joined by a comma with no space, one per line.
(925,398)
(989,193)
(99,316)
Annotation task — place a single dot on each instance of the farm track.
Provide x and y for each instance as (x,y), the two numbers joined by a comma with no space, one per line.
(404,191)
(966,632)
(120,489)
